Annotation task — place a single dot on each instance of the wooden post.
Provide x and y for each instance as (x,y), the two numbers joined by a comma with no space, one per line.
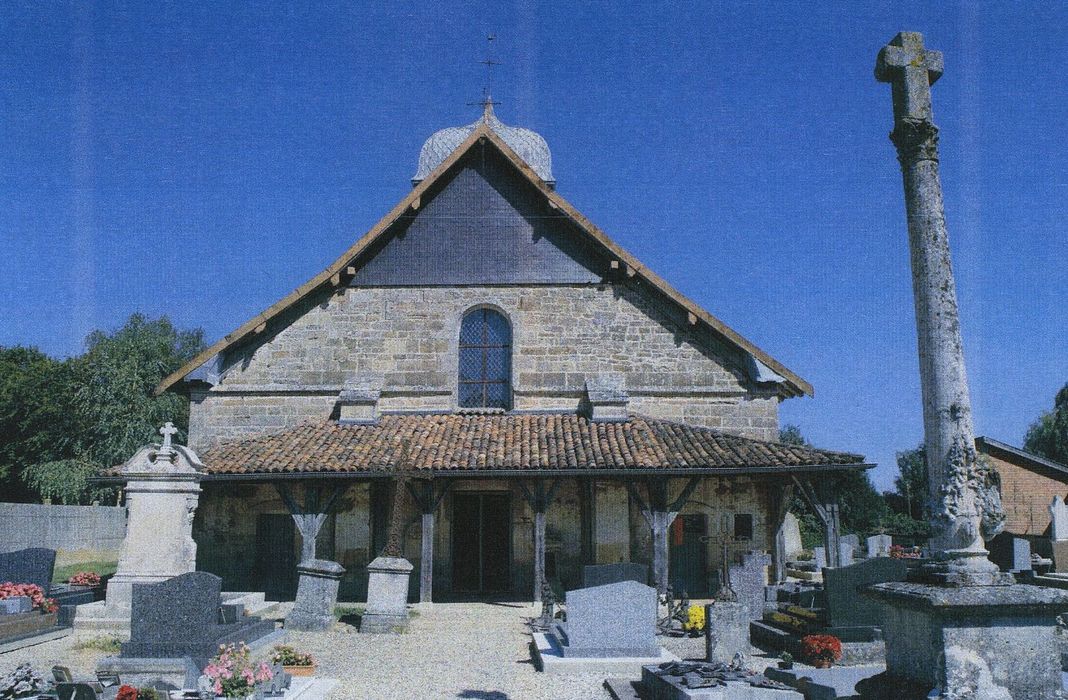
(539,501)
(828,517)
(659,514)
(309,519)
(428,500)
(587,520)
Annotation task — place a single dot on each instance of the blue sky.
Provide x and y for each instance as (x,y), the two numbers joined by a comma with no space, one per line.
(202,161)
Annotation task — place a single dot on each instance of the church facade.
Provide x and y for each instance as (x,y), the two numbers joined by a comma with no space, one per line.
(554,402)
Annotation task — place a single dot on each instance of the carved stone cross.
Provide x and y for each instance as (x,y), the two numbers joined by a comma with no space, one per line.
(167,431)
(912,70)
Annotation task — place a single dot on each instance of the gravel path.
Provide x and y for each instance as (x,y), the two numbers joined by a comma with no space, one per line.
(451,650)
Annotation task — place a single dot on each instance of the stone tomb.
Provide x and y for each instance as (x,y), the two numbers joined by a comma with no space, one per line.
(603,574)
(879,545)
(33,565)
(181,617)
(609,628)
(1012,554)
(748,581)
(846,607)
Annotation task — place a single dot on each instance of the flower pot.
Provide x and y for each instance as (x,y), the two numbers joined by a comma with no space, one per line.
(786,665)
(822,663)
(300,670)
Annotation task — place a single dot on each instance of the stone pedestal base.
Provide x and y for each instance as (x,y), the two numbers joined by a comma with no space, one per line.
(726,631)
(313,610)
(387,595)
(990,642)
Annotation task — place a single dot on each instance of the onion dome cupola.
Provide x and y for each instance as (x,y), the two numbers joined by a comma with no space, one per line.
(528,145)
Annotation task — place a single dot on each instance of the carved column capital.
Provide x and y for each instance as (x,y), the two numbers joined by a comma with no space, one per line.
(915,139)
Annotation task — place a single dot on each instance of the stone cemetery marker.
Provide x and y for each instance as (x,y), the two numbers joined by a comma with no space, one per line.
(614,620)
(602,574)
(1011,553)
(819,554)
(727,631)
(846,607)
(33,565)
(791,534)
(1058,513)
(15,605)
(748,580)
(852,540)
(879,545)
(316,595)
(845,553)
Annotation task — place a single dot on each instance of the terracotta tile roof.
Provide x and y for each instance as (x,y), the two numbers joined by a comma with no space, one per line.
(505,442)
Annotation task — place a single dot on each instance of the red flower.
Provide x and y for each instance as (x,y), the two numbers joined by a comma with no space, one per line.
(127,692)
(85,578)
(820,647)
(30,590)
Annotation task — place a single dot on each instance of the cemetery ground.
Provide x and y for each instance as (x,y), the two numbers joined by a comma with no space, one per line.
(451,650)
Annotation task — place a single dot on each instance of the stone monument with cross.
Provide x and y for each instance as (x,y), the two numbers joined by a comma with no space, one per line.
(162,491)
(959,626)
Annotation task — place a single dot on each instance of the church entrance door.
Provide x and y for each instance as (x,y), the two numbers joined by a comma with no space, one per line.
(689,557)
(481,543)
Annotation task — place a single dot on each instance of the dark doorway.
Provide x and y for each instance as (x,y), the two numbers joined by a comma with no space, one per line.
(481,543)
(276,556)
(687,570)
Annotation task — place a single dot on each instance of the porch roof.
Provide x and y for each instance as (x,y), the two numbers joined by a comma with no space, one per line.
(480,443)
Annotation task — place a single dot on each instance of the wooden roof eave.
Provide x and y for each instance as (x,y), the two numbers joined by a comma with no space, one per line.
(796,385)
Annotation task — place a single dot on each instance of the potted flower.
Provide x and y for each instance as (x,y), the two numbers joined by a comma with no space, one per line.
(90,579)
(786,660)
(233,674)
(295,663)
(821,650)
(31,591)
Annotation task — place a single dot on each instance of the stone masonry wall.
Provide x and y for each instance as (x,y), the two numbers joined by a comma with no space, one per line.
(225,530)
(406,339)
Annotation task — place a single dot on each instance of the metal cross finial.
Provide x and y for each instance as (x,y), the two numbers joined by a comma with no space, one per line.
(487,100)
(167,431)
(911,70)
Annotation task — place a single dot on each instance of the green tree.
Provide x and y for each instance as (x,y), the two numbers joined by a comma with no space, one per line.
(1048,436)
(861,508)
(911,481)
(105,403)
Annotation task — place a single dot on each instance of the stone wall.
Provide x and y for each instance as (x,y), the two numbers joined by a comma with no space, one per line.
(225,530)
(1025,496)
(77,533)
(406,338)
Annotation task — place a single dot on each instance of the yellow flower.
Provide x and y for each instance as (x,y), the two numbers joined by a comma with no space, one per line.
(695,619)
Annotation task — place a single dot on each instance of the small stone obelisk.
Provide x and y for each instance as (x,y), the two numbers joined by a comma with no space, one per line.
(958,483)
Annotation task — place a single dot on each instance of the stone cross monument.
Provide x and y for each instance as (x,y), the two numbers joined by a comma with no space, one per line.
(963,502)
(961,627)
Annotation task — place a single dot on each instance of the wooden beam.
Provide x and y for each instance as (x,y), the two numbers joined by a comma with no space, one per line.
(631,271)
(691,318)
(350,271)
(260,328)
(614,264)
(416,203)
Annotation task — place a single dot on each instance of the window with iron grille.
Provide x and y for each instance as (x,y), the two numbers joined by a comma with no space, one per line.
(485,360)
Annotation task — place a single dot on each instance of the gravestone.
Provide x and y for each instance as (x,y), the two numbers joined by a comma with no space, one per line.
(846,607)
(603,574)
(1012,554)
(727,631)
(1060,556)
(179,617)
(387,595)
(845,553)
(819,555)
(316,595)
(791,536)
(749,579)
(1058,513)
(879,545)
(613,620)
(852,540)
(33,565)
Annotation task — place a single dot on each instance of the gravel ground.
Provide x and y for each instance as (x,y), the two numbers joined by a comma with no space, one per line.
(451,650)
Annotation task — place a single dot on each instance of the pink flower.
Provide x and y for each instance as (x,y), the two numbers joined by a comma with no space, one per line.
(217,687)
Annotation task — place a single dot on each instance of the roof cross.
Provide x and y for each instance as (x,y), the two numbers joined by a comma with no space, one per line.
(487,100)
(911,70)
(167,431)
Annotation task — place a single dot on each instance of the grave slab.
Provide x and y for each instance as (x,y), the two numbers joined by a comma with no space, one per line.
(617,619)
(726,631)
(387,595)
(549,658)
(316,595)
(846,607)
(825,683)
(601,574)
(879,545)
(657,687)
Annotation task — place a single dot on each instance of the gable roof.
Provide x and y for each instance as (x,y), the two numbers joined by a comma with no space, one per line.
(1023,458)
(501,443)
(336,272)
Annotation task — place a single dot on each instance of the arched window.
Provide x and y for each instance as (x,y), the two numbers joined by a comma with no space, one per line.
(485,360)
